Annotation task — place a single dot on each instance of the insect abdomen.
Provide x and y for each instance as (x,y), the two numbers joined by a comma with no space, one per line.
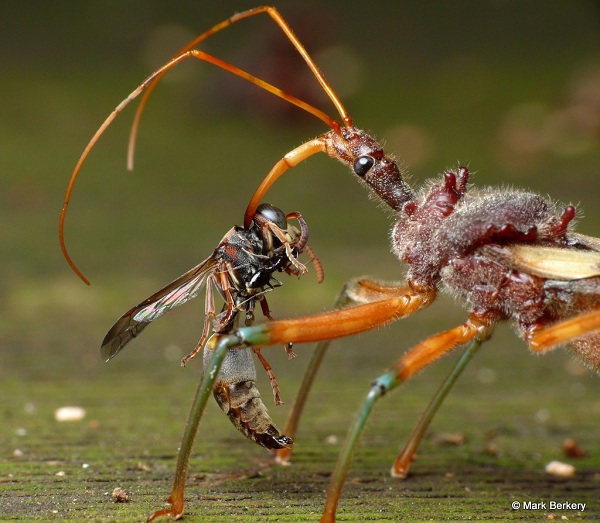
(236,393)
(242,403)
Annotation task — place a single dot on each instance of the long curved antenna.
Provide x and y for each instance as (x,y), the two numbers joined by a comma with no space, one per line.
(283,25)
(150,82)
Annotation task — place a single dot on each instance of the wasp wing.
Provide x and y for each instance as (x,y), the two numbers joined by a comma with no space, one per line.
(183,289)
(552,263)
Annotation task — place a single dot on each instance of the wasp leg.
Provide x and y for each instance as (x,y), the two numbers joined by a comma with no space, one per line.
(277,232)
(209,315)
(288,347)
(220,345)
(264,305)
(270,374)
(416,359)
(403,461)
(354,292)
(289,350)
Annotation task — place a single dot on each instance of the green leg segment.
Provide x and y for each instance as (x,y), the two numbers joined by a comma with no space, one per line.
(402,462)
(380,386)
(223,345)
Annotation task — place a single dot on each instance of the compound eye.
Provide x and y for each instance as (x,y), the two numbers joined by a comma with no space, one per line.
(272,214)
(363,164)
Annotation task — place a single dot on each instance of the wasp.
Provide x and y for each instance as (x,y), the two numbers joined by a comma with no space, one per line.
(508,255)
(241,270)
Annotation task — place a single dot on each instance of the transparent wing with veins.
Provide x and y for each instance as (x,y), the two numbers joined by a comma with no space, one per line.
(183,289)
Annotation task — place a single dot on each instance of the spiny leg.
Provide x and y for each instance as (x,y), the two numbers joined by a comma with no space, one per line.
(220,344)
(403,461)
(416,359)
(543,339)
(354,292)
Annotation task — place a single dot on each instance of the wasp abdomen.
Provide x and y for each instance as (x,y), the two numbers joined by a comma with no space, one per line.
(242,403)
(236,393)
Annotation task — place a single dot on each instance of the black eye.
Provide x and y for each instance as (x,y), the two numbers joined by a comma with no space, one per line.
(272,214)
(362,165)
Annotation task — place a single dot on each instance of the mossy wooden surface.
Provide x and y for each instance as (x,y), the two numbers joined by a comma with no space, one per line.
(67,471)
(441,83)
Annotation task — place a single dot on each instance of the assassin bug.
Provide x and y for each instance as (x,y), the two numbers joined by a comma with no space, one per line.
(509,255)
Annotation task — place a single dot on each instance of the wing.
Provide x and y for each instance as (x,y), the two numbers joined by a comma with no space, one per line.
(582,240)
(183,289)
(552,263)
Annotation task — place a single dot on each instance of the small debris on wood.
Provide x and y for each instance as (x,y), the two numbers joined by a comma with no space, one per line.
(144,467)
(449,438)
(572,449)
(560,470)
(492,448)
(69,413)
(120,495)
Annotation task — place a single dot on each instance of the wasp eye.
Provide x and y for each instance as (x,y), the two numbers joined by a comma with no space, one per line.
(362,165)
(272,214)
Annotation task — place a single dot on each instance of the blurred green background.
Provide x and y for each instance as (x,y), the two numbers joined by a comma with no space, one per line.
(511,89)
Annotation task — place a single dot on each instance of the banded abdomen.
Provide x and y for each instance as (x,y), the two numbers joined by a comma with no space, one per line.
(236,393)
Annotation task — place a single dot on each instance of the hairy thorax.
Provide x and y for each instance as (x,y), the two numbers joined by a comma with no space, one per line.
(444,233)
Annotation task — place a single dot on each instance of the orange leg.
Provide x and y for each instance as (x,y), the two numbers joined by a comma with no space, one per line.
(340,323)
(415,360)
(335,324)
(357,291)
(264,305)
(541,339)
(403,461)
